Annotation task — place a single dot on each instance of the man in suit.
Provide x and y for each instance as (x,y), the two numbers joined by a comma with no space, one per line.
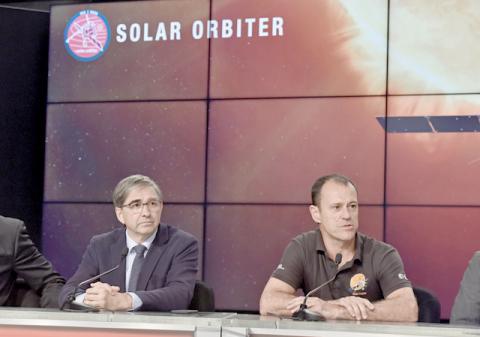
(19,258)
(158,271)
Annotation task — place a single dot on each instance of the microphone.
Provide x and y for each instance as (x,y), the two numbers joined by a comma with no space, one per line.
(72,295)
(304,314)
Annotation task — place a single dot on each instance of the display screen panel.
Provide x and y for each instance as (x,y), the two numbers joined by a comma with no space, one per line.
(143,56)
(91,147)
(429,239)
(314,48)
(432,47)
(275,149)
(438,166)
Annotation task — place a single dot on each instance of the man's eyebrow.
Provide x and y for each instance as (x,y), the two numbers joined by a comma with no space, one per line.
(136,200)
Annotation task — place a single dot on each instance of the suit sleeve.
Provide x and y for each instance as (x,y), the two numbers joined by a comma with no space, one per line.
(88,267)
(180,281)
(466,309)
(36,270)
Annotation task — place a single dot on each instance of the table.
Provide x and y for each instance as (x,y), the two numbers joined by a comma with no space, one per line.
(16,322)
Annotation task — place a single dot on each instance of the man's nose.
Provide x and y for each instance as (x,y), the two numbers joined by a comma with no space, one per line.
(145,210)
(346,212)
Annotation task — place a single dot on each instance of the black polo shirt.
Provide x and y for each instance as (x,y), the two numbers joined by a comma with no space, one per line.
(375,271)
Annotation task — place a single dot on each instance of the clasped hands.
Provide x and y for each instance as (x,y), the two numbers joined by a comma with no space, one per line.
(352,307)
(105,296)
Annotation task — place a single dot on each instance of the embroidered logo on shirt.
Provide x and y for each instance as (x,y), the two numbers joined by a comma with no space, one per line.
(280,266)
(358,284)
(402,276)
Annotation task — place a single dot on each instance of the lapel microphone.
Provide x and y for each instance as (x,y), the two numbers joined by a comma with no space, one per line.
(303,313)
(79,286)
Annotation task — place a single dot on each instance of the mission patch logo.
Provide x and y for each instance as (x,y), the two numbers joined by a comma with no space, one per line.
(358,284)
(87,35)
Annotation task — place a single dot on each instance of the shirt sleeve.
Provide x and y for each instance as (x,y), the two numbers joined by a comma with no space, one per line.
(79,300)
(136,301)
(466,309)
(391,273)
(290,269)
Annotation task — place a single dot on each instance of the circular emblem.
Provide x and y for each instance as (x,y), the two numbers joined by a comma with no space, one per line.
(87,35)
(358,282)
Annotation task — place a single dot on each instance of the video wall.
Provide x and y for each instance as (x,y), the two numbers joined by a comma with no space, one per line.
(235,107)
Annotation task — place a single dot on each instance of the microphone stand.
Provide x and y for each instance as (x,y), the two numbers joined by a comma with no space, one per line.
(71,297)
(303,313)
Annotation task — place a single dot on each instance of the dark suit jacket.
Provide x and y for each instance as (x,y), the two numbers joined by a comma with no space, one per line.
(20,258)
(167,278)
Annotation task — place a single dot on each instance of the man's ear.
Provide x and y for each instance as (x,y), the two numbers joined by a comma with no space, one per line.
(119,213)
(315,214)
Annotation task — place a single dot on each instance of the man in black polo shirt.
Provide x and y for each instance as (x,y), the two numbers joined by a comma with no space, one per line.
(370,281)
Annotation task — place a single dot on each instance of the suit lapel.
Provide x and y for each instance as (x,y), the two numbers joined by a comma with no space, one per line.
(153,256)
(118,276)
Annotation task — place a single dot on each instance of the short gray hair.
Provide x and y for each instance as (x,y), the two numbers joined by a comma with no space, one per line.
(126,184)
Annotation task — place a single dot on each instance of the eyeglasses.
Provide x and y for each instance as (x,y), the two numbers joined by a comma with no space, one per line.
(136,206)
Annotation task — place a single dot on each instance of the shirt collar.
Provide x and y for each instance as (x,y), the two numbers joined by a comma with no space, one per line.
(147,243)
(320,246)
(359,241)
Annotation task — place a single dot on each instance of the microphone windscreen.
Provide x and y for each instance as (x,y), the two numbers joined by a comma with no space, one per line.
(338,259)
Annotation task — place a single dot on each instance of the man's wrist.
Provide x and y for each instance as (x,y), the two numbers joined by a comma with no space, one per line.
(319,306)
(119,302)
(331,310)
(128,302)
(136,301)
